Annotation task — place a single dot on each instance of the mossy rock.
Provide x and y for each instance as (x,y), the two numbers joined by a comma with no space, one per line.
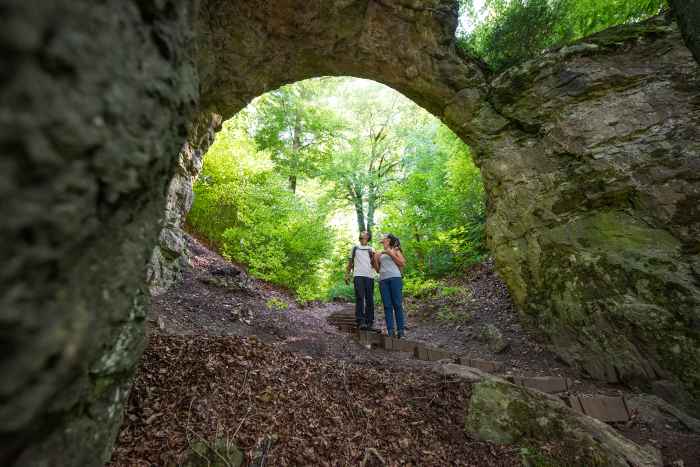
(503,413)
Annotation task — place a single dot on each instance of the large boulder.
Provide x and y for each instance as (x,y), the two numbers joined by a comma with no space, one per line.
(507,414)
(593,180)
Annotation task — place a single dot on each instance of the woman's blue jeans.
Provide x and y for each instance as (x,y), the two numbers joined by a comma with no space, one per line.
(392,297)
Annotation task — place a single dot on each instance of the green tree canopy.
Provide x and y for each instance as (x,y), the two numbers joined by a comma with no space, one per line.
(506,32)
(295,128)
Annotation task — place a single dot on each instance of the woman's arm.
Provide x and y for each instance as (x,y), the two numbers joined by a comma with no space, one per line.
(397,256)
(375,261)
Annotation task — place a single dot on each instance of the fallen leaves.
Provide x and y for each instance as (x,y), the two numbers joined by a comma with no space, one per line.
(293,410)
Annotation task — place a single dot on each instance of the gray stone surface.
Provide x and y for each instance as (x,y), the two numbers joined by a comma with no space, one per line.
(95,102)
(548,384)
(601,162)
(165,266)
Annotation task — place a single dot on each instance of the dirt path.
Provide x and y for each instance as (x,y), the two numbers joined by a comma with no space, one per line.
(325,399)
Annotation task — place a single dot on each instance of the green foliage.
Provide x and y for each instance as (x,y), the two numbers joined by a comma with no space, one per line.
(275,304)
(295,129)
(451,314)
(418,287)
(369,151)
(350,144)
(244,207)
(506,32)
(438,210)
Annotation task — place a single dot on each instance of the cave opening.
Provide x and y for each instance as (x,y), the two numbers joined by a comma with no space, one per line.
(588,155)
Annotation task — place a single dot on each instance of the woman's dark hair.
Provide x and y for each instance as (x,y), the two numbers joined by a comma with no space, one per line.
(394,241)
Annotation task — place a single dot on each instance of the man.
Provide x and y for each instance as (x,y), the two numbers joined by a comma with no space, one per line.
(360,264)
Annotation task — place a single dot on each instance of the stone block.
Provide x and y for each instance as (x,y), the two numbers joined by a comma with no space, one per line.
(421,352)
(431,354)
(487,366)
(389,343)
(605,408)
(369,338)
(548,384)
(403,345)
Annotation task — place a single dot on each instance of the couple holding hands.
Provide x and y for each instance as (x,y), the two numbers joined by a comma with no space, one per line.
(389,263)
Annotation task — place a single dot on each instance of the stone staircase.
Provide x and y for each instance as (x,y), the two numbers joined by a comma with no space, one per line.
(604,408)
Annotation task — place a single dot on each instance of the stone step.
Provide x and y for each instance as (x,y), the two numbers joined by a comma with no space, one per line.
(548,384)
(431,354)
(604,408)
(486,366)
(398,345)
(342,321)
(370,338)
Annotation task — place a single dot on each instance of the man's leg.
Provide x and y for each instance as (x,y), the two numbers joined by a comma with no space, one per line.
(369,310)
(359,301)
(397,301)
(385,290)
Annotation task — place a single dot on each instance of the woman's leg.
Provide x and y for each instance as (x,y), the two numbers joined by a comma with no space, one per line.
(397,302)
(385,290)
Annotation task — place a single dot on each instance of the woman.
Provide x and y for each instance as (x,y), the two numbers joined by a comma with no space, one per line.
(389,264)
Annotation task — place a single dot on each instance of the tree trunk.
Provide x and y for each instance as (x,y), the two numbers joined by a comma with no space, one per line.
(296,145)
(359,210)
(371,206)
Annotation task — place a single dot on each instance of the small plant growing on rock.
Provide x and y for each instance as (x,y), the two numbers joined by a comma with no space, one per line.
(493,337)
(275,304)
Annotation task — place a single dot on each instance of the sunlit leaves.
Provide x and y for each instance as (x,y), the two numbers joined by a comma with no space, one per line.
(506,32)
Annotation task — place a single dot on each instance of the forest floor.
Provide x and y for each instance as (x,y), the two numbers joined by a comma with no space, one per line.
(235,360)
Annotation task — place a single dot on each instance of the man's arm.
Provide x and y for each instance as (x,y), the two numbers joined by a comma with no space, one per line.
(348,270)
(375,261)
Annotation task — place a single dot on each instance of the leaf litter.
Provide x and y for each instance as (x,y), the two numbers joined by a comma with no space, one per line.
(307,411)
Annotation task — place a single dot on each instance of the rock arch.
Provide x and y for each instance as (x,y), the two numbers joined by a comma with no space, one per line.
(590,156)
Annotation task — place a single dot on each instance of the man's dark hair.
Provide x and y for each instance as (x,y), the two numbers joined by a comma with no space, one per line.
(369,235)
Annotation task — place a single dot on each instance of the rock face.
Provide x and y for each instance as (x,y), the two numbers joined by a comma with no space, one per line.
(165,266)
(589,154)
(601,160)
(96,100)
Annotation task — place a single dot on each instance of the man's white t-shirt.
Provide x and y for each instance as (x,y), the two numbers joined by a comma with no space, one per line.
(362,266)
